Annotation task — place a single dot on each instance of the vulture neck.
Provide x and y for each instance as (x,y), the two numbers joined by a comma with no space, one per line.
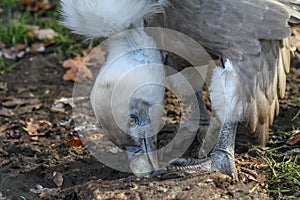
(133,70)
(134,58)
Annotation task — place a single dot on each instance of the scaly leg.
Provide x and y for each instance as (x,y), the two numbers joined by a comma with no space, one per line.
(228,109)
(221,159)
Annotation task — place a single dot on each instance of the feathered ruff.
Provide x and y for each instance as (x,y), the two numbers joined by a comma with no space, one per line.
(104,18)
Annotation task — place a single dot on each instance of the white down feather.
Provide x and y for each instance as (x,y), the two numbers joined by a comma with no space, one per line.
(104,18)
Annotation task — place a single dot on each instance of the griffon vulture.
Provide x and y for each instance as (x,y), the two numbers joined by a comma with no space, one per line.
(249,38)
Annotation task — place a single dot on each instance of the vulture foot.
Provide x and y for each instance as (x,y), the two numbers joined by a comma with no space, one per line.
(220,159)
(217,161)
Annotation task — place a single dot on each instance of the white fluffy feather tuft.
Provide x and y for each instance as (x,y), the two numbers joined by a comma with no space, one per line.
(104,18)
(224,93)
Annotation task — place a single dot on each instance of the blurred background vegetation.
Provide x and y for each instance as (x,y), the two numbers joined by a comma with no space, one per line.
(18,21)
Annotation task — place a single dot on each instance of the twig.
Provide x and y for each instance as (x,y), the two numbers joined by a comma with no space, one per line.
(298,113)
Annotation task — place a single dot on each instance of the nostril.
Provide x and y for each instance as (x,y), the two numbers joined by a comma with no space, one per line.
(133,149)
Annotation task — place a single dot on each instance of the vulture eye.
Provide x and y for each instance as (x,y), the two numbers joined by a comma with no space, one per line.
(133,120)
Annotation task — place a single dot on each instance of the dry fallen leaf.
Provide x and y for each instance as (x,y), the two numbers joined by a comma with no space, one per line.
(35,127)
(75,142)
(295,39)
(294,139)
(41,5)
(121,196)
(3,128)
(3,86)
(95,57)
(28,108)
(43,34)
(6,112)
(15,102)
(17,51)
(44,192)
(12,106)
(58,179)
(59,105)
(38,47)
(79,70)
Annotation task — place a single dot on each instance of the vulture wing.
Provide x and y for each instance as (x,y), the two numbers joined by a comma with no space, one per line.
(253,36)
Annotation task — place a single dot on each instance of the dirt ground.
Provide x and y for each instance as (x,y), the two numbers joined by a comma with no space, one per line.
(47,166)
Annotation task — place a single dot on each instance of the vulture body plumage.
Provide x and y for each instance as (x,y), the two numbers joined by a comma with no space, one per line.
(248,37)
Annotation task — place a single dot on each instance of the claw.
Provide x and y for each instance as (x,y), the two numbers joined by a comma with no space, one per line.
(216,162)
(221,159)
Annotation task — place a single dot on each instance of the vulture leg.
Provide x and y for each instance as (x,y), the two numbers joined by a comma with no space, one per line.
(196,81)
(228,109)
(220,159)
(204,123)
(204,118)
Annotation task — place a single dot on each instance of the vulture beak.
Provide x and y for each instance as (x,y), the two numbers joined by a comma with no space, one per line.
(143,159)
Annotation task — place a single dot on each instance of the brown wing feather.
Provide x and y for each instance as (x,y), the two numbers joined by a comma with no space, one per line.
(252,34)
(267,104)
